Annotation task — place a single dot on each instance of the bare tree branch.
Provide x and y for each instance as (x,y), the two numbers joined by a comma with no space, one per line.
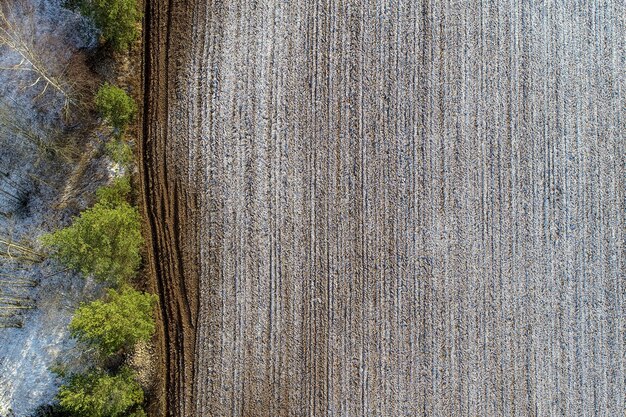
(14,37)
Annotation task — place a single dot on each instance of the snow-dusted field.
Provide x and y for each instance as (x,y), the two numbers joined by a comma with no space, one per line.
(394,208)
(41,182)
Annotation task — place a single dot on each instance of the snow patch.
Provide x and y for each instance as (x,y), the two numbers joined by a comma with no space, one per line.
(28,354)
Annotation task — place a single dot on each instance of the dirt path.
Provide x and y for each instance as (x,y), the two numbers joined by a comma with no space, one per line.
(383,208)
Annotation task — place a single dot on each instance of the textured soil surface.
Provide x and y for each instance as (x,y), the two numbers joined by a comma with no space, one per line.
(388,208)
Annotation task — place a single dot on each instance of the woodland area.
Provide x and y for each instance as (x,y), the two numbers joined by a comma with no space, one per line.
(75,335)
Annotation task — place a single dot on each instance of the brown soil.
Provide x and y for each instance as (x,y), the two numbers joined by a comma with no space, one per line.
(170,211)
(375,208)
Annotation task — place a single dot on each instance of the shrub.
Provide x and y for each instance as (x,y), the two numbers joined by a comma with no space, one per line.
(98,394)
(117,322)
(104,240)
(115,194)
(117,19)
(117,107)
(119,151)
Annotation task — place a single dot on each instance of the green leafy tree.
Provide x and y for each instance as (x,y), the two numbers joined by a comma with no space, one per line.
(117,19)
(117,107)
(104,240)
(117,322)
(98,394)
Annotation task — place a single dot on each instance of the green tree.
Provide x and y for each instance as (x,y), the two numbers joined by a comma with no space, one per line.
(98,394)
(117,322)
(117,19)
(104,240)
(117,107)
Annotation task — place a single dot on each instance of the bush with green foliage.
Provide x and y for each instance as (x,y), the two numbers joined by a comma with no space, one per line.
(116,193)
(98,394)
(117,19)
(117,107)
(104,240)
(119,151)
(117,322)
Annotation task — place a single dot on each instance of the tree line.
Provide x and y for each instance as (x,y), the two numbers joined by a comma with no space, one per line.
(103,241)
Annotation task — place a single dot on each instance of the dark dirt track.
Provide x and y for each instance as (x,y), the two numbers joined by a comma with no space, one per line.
(388,208)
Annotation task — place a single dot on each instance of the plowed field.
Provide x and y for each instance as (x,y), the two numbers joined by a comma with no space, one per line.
(388,208)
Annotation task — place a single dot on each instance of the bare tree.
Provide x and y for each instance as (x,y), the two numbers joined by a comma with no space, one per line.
(18,251)
(18,36)
(15,298)
(26,136)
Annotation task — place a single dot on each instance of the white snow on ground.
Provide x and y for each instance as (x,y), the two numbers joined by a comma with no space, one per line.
(27,353)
